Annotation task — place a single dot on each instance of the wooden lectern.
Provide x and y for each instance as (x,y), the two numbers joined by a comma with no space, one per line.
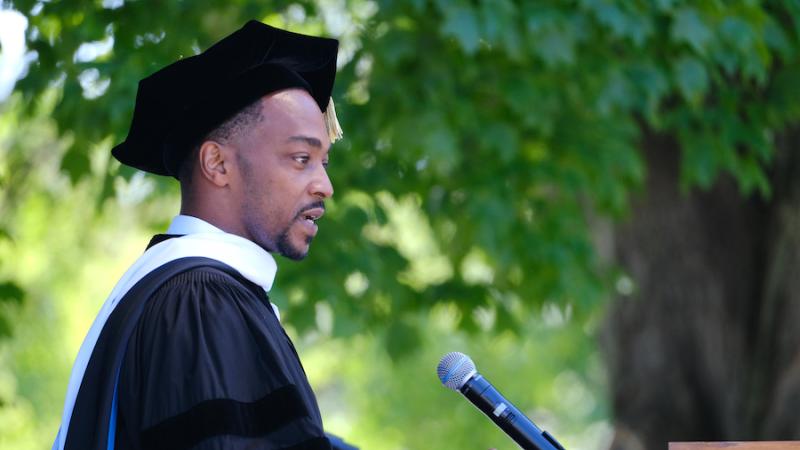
(783,445)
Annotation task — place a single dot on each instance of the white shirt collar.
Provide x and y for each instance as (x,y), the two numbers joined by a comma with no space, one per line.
(250,260)
(183,224)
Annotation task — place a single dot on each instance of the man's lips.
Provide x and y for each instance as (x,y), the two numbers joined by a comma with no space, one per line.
(308,218)
(312,214)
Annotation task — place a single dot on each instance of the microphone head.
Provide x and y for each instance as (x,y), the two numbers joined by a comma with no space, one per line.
(455,369)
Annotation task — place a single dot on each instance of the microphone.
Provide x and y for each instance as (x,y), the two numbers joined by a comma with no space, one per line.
(457,372)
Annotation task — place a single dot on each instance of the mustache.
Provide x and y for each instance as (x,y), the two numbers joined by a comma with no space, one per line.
(317,204)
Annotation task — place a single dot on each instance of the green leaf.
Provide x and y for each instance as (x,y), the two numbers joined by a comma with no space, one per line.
(784,93)
(698,165)
(4,234)
(777,39)
(500,27)
(752,54)
(688,27)
(440,144)
(665,5)
(302,317)
(739,34)
(611,16)
(401,340)
(692,79)
(617,94)
(76,164)
(11,292)
(752,177)
(654,85)
(6,330)
(555,45)
(398,46)
(502,139)
(621,22)
(461,23)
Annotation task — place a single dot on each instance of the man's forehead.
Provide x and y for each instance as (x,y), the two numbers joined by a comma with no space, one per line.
(301,106)
(293,115)
(293,97)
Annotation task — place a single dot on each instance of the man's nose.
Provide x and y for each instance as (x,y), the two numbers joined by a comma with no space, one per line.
(321,186)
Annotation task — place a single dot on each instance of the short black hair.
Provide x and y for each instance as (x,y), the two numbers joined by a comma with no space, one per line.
(233,126)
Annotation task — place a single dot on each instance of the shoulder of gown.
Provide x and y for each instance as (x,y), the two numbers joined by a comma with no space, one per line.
(209,366)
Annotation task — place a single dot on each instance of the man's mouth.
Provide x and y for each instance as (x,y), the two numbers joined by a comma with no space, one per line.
(312,215)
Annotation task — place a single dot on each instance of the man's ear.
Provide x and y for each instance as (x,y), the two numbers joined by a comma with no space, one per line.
(214,161)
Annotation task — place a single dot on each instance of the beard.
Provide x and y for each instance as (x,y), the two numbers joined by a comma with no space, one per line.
(284,246)
(286,249)
(279,242)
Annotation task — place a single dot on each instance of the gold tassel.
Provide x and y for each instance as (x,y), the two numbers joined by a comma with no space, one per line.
(332,123)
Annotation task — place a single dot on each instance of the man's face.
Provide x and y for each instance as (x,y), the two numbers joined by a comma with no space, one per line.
(282,179)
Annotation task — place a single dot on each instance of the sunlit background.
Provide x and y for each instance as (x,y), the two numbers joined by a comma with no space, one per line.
(593,199)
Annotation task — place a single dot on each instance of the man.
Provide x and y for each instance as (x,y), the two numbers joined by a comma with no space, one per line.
(188,352)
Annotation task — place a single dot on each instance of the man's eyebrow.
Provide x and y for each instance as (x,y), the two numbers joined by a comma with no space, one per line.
(312,141)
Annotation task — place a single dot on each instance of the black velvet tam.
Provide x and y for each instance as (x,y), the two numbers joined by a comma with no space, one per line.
(178,105)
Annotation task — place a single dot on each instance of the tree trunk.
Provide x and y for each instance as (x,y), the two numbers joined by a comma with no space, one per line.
(707,347)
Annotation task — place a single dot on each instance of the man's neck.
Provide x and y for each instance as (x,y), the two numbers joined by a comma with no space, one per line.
(186,224)
(218,217)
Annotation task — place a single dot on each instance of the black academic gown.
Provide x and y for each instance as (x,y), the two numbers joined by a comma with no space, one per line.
(210,367)
(206,365)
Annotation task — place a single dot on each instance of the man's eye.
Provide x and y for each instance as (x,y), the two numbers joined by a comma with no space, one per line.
(301,159)
(325,164)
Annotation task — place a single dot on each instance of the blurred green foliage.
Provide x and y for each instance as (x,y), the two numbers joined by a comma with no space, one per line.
(486,143)
(498,128)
